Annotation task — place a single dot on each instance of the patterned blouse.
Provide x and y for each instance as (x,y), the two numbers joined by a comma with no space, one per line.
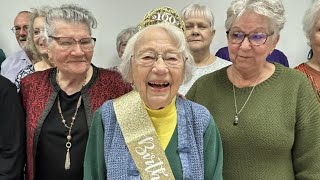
(23,73)
(313,76)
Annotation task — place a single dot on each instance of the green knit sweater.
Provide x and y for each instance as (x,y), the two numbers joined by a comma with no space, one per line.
(278,135)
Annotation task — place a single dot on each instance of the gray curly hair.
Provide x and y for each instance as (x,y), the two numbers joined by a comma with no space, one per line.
(272,9)
(197,10)
(311,16)
(125,35)
(173,31)
(69,13)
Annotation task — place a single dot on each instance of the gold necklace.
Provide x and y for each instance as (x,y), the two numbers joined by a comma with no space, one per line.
(67,163)
(236,117)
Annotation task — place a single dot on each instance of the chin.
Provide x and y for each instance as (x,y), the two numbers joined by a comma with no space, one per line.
(22,44)
(196,48)
(158,102)
(80,69)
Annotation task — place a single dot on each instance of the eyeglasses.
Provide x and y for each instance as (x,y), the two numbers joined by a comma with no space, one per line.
(171,59)
(256,39)
(68,43)
(123,44)
(17,29)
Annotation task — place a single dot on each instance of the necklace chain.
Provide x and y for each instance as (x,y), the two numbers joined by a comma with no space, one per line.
(67,163)
(69,127)
(236,117)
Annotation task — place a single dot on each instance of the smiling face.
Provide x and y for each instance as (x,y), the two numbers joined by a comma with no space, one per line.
(158,83)
(199,33)
(74,61)
(20,22)
(38,25)
(245,55)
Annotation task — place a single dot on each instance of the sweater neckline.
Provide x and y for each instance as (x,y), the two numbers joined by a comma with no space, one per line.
(268,82)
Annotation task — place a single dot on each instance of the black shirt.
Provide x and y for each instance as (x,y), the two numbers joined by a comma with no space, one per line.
(51,149)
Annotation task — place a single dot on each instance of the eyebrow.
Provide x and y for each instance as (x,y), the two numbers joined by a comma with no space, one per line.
(259,29)
(154,50)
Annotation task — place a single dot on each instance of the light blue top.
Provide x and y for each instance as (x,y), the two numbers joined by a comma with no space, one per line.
(13,64)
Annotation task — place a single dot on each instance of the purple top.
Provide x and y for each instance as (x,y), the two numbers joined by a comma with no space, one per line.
(276,56)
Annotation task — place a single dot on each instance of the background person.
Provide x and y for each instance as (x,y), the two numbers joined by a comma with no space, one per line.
(156,61)
(199,33)
(122,40)
(19,60)
(12,132)
(36,45)
(267,114)
(311,26)
(60,102)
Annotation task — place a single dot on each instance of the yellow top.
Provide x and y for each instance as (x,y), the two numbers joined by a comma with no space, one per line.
(164,121)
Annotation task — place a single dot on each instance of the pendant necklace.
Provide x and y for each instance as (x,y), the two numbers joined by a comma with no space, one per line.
(236,117)
(67,163)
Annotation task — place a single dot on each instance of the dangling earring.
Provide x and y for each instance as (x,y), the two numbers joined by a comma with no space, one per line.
(310,54)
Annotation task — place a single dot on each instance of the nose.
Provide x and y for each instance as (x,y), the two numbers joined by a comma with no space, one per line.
(245,43)
(76,49)
(23,32)
(159,66)
(195,31)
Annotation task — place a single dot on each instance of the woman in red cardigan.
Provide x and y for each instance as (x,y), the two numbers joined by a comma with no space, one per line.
(60,102)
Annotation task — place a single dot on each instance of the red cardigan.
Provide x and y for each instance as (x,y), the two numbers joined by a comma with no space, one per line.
(39,91)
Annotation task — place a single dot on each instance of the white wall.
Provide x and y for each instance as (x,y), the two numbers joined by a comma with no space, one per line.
(114,16)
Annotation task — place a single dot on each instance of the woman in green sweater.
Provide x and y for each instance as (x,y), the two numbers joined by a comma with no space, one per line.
(268,115)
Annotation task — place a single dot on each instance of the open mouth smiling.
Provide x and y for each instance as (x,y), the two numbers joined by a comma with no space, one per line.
(158,85)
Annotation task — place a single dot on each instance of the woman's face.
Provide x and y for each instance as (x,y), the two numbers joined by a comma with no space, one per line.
(122,47)
(245,55)
(71,57)
(157,68)
(315,40)
(198,33)
(38,25)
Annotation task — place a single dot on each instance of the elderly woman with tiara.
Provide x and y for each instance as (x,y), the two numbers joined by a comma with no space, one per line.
(151,133)
(311,26)
(268,115)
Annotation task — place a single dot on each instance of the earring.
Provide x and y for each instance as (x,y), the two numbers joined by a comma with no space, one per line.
(310,54)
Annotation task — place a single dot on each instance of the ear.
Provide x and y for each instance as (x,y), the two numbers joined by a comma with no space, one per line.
(130,75)
(213,32)
(48,50)
(275,41)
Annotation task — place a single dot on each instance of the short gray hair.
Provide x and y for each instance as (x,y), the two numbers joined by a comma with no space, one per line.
(125,35)
(197,10)
(175,33)
(272,9)
(70,13)
(311,16)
